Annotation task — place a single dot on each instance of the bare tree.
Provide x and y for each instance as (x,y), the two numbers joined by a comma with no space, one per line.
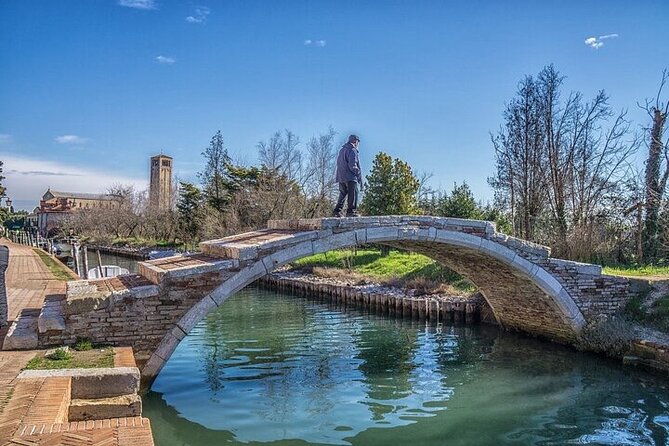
(656,180)
(319,180)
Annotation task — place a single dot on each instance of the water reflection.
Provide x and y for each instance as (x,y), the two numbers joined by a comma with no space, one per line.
(270,368)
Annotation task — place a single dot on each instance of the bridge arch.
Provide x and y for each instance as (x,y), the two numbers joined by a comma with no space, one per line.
(522,293)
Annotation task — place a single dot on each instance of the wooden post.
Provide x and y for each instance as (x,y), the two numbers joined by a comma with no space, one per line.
(100,264)
(75,258)
(85,262)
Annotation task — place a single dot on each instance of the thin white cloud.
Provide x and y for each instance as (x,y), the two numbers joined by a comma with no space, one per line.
(318,43)
(596,42)
(28,178)
(70,139)
(5,138)
(165,60)
(199,16)
(608,36)
(138,4)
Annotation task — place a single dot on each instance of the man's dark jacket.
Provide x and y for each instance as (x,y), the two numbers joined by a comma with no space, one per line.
(348,165)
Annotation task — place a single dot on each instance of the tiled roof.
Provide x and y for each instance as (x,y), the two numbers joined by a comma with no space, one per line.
(81,195)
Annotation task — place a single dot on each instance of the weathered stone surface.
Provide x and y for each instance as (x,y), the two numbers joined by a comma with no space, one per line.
(22,334)
(51,316)
(105,408)
(94,383)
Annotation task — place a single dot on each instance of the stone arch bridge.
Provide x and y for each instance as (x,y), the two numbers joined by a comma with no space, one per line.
(154,310)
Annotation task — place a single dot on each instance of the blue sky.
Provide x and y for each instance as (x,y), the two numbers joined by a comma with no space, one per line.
(90,89)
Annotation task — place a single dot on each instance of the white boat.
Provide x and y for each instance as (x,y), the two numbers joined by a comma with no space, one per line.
(107,271)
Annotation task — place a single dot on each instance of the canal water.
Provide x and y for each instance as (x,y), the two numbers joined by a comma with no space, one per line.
(268,368)
(107,259)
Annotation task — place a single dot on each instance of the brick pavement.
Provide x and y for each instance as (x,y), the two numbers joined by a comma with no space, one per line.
(28,279)
(34,411)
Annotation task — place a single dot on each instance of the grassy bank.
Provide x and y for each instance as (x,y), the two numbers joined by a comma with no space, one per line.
(397,268)
(73,359)
(58,270)
(638,271)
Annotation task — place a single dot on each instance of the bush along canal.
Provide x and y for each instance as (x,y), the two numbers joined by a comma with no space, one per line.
(277,368)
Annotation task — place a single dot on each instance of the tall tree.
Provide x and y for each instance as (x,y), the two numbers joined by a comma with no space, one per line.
(560,163)
(391,188)
(319,184)
(656,180)
(215,176)
(189,211)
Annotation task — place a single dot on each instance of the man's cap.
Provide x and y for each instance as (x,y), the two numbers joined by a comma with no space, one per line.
(353,138)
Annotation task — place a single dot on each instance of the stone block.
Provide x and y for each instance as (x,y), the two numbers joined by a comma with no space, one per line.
(152,273)
(286,255)
(94,383)
(196,314)
(336,241)
(145,291)
(238,281)
(51,317)
(22,334)
(578,267)
(458,239)
(382,233)
(500,252)
(105,408)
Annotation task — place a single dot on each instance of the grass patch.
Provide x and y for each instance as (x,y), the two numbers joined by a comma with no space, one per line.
(637,270)
(83,344)
(408,270)
(58,270)
(89,359)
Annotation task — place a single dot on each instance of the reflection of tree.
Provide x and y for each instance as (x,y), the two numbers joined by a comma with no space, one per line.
(386,352)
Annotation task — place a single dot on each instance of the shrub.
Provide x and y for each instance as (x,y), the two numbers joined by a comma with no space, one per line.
(60,355)
(83,344)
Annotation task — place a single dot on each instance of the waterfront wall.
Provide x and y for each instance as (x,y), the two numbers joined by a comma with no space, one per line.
(384,301)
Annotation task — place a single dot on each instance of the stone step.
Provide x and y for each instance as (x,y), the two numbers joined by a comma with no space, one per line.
(22,334)
(101,408)
(51,316)
(94,383)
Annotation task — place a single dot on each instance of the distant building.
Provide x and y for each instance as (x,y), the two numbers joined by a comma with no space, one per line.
(160,187)
(56,206)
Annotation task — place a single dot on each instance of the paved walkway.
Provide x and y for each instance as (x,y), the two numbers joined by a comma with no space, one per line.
(25,405)
(29,281)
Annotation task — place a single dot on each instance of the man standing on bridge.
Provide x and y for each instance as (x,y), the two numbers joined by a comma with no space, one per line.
(349,177)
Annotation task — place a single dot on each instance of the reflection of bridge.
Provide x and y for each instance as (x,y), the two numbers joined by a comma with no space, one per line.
(152,311)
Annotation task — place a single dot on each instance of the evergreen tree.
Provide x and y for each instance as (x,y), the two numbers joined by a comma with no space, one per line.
(189,210)
(215,177)
(391,188)
(460,203)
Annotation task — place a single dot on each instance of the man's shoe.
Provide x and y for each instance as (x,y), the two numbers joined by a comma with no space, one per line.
(336,214)
(354,214)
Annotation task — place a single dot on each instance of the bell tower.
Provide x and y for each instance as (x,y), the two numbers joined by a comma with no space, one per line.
(160,187)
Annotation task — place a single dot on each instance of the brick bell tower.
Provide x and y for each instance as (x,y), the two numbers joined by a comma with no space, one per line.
(160,186)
